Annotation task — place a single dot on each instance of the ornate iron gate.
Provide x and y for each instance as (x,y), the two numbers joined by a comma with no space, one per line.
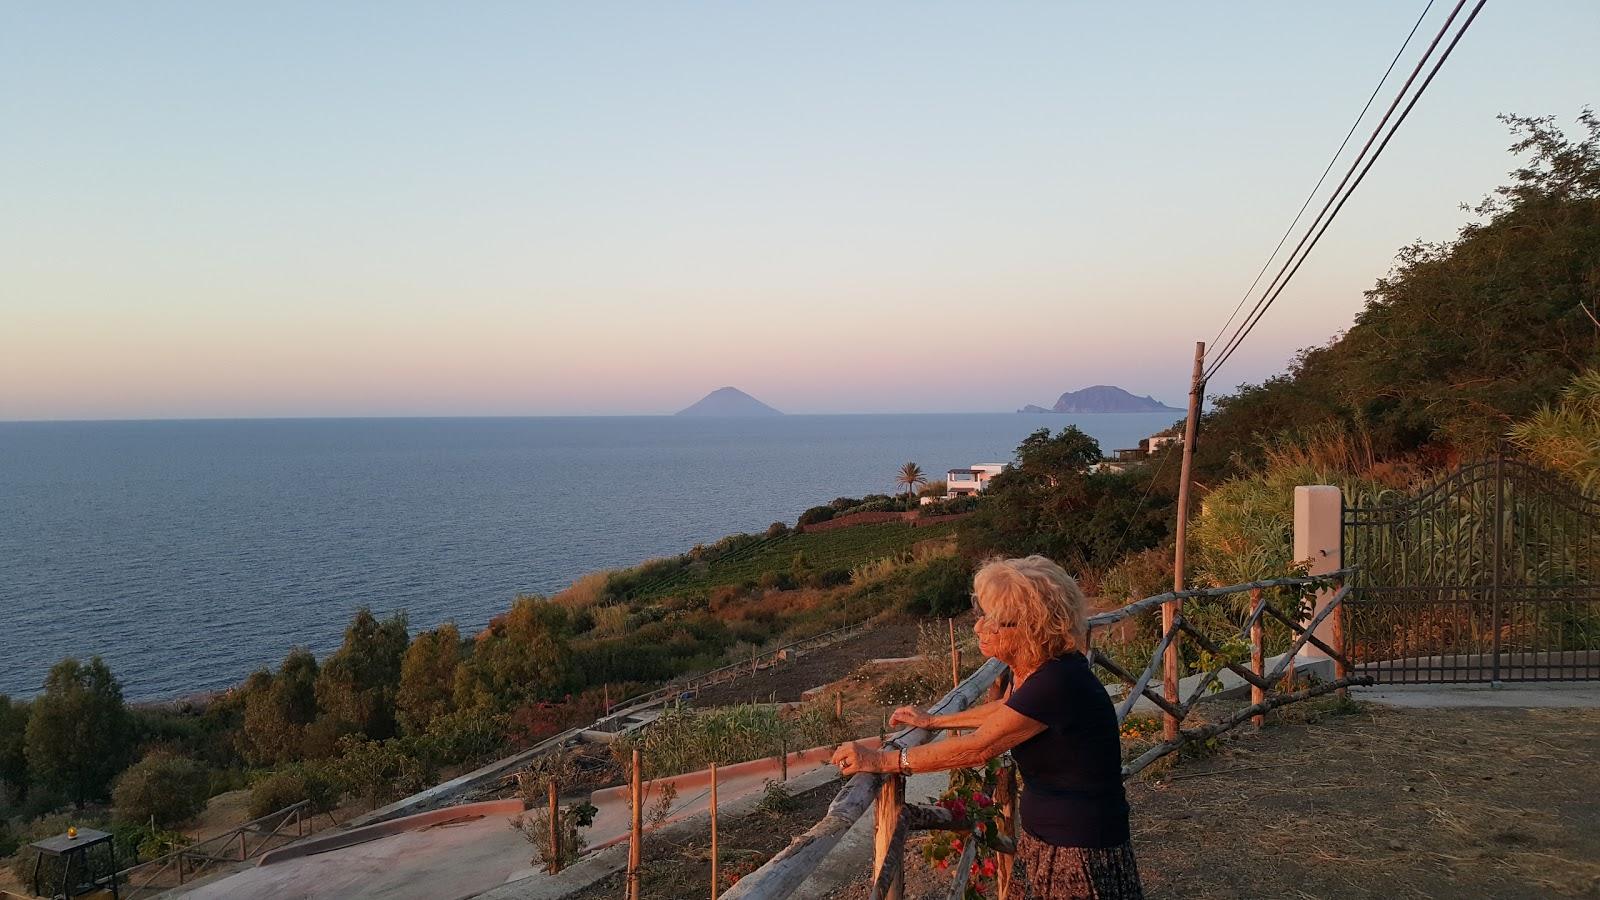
(1491,574)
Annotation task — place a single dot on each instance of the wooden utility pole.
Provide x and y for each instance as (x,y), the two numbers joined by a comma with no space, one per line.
(636,831)
(1171,609)
(715,879)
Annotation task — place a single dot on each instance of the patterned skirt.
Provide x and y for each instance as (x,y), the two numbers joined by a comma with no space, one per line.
(1078,873)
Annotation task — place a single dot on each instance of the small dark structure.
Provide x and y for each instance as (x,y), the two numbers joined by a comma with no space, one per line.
(73,849)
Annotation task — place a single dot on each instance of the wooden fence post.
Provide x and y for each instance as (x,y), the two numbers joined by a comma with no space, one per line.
(891,805)
(555,825)
(1257,655)
(1337,623)
(715,880)
(1006,862)
(635,831)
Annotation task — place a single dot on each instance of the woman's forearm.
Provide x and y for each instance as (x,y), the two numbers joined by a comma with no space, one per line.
(967,718)
(960,751)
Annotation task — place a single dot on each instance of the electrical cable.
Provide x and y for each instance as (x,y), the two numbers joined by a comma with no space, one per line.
(1272,295)
(1324,177)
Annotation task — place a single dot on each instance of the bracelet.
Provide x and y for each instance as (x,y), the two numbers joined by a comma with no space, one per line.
(905,766)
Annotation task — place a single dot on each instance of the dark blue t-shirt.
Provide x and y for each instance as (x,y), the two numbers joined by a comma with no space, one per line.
(1072,770)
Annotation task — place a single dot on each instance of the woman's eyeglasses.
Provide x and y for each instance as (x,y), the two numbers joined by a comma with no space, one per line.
(985,621)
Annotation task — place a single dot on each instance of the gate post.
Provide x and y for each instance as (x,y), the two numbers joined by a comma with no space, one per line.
(1318,539)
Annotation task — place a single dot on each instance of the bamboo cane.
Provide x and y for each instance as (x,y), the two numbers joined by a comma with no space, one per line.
(555,833)
(636,831)
(715,880)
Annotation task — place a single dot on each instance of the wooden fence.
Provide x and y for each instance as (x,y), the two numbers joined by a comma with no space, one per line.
(895,819)
(246,842)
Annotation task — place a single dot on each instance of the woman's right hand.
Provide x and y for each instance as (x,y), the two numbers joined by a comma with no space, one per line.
(910,715)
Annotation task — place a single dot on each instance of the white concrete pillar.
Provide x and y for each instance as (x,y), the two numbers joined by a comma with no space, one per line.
(1318,538)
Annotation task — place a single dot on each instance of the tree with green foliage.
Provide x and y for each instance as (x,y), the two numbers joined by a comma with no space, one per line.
(1048,502)
(910,475)
(357,685)
(13,756)
(428,678)
(277,711)
(1463,337)
(162,786)
(523,655)
(78,733)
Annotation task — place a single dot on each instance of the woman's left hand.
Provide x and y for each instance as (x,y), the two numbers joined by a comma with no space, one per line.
(856,757)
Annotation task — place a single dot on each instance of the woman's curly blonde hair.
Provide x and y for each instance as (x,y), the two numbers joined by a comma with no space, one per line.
(1045,603)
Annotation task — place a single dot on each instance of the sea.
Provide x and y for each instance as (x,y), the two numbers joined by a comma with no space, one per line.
(189,553)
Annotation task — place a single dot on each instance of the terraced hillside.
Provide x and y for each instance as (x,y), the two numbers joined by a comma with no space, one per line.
(837,550)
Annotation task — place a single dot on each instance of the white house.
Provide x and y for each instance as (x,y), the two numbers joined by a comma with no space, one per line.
(1157,441)
(971,480)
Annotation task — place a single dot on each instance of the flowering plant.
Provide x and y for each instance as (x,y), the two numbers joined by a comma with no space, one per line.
(971,797)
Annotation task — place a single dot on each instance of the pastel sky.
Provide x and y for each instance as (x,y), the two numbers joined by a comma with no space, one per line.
(283,209)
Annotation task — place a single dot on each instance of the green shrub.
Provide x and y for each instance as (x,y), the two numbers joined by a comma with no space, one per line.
(138,838)
(688,740)
(777,530)
(829,578)
(941,587)
(318,782)
(381,770)
(814,515)
(169,789)
(9,840)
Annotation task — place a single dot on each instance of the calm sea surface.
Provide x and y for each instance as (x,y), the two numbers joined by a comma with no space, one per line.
(190,553)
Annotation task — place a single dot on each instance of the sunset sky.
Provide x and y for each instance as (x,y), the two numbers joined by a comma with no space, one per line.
(387,208)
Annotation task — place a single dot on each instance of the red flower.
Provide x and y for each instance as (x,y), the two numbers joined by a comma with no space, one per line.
(982,799)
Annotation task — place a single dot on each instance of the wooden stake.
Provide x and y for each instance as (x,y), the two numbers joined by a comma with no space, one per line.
(635,831)
(715,880)
(1172,608)
(783,751)
(838,706)
(555,833)
(1257,655)
(891,803)
(955,657)
(605,693)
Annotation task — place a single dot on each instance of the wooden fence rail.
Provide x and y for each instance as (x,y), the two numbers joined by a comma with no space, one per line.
(232,846)
(895,820)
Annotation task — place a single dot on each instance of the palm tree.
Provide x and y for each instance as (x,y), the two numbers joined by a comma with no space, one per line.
(910,476)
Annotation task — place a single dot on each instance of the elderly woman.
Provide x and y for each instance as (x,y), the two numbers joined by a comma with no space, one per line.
(1056,720)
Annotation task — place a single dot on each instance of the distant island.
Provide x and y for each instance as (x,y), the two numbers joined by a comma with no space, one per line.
(1102,398)
(728,401)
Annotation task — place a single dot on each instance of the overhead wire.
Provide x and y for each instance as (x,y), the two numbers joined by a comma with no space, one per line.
(1324,177)
(1287,273)
(1341,194)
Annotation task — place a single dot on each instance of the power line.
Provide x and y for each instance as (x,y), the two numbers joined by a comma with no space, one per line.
(1324,177)
(1273,294)
(1234,340)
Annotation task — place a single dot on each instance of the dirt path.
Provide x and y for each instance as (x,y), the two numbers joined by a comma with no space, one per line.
(1381,802)
(788,682)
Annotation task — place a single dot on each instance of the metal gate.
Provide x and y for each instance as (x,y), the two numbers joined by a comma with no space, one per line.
(1491,574)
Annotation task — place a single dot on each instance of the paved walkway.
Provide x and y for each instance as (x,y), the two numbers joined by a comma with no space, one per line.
(1509,695)
(457,859)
